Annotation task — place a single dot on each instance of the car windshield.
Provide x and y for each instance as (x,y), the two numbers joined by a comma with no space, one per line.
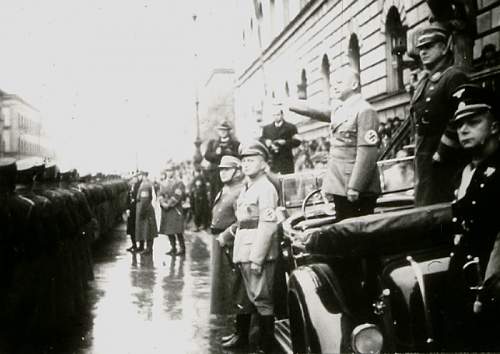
(296,187)
(397,175)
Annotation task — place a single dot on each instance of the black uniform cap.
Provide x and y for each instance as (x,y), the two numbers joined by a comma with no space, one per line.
(473,99)
(432,33)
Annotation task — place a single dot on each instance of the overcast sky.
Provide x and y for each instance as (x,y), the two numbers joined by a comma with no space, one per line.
(113,79)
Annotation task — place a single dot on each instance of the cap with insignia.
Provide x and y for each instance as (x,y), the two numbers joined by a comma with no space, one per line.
(255,148)
(432,33)
(473,99)
(228,161)
(224,125)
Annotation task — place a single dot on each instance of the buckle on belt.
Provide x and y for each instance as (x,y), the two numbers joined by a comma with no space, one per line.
(248,224)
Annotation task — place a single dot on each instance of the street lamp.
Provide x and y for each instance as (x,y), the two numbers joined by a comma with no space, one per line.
(197,158)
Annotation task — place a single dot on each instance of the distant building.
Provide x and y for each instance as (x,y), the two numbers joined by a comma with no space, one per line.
(21,129)
(216,102)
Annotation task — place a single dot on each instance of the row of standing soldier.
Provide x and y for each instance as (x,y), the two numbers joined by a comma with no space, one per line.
(48,221)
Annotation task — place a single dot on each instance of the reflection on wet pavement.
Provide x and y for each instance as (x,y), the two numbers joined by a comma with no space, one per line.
(142,304)
(153,304)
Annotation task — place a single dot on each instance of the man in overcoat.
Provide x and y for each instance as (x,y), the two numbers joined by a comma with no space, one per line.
(280,137)
(172,193)
(225,144)
(228,295)
(437,151)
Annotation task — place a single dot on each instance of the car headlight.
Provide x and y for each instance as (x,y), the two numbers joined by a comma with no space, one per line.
(367,338)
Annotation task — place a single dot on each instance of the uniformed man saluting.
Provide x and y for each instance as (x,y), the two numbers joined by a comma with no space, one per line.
(256,245)
(437,155)
(352,176)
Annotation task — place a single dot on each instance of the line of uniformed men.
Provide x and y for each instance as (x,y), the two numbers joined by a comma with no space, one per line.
(48,222)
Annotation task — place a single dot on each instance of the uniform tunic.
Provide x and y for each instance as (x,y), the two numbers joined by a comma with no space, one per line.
(354,149)
(228,293)
(145,223)
(432,107)
(172,193)
(254,243)
(475,213)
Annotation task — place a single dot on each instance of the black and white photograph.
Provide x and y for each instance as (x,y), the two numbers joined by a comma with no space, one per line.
(249,176)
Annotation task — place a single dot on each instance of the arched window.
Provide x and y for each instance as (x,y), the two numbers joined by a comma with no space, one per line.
(302,86)
(396,47)
(325,74)
(353,54)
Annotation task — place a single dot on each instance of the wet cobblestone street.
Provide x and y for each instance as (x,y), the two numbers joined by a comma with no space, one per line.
(152,304)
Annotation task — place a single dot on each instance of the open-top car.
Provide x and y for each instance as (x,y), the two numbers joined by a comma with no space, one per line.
(376,283)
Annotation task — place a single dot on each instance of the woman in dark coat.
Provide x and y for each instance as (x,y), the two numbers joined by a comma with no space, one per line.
(228,294)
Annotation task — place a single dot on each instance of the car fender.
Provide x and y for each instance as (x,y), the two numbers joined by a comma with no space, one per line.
(316,307)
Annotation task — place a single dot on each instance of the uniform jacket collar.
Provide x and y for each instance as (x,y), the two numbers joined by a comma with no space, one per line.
(347,106)
(433,75)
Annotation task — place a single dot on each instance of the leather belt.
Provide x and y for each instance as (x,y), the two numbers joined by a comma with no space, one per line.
(215,231)
(248,224)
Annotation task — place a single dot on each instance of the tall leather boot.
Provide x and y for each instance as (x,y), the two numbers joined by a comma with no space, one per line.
(141,247)
(149,247)
(240,336)
(182,246)
(267,333)
(173,248)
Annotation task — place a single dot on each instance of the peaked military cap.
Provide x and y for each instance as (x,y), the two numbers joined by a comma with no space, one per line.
(224,125)
(473,99)
(228,161)
(255,148)
(432,33)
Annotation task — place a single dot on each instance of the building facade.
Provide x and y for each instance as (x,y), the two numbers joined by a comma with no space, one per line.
(216,102)
(21,129)
(292,48)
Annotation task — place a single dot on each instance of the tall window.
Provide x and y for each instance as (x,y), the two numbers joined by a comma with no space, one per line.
(325,74)
(353,54)
(396,47)
(302,86)
(287,89)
